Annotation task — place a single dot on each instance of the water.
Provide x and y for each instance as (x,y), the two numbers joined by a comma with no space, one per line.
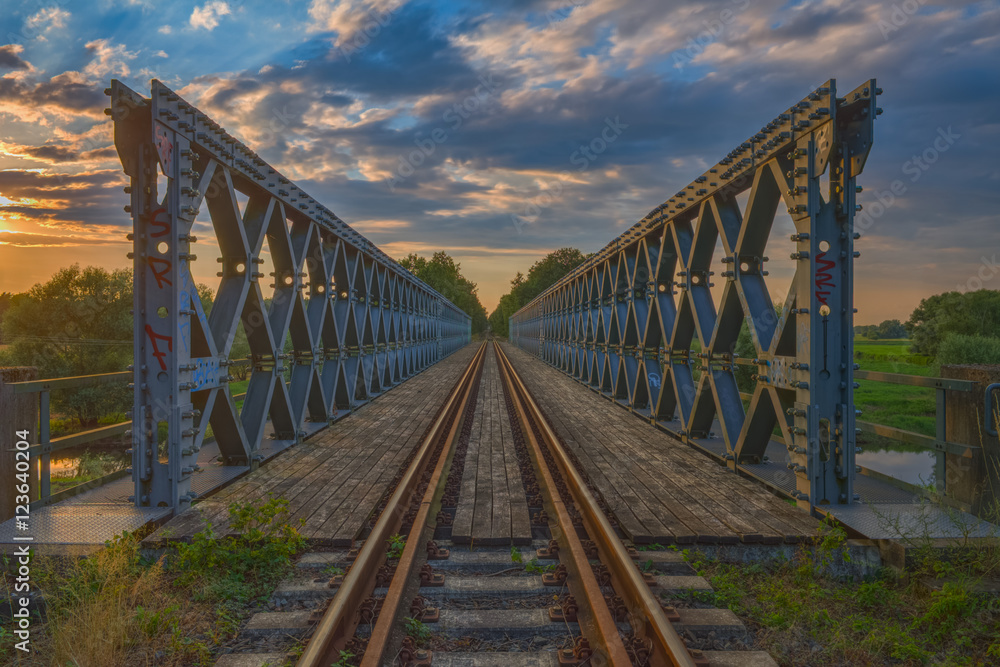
(912,467)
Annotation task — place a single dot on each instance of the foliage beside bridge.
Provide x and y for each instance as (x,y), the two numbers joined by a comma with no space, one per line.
(445,275)
(121,608)
(954,313)
(542,274)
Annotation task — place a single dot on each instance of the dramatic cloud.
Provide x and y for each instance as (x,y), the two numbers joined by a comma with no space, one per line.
(500,131)
(208,16)
(47,18)
(10,57)
(25,240)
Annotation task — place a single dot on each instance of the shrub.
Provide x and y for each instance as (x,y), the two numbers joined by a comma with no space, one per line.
(243,568)
(962,349)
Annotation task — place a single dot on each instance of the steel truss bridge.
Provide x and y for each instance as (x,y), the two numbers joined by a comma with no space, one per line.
(356,322)
(637,321)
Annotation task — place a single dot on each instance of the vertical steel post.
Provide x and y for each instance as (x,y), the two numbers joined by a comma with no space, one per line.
(44,439)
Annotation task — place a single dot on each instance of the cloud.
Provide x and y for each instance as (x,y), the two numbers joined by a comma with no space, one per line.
(164,30)
(58,153)
(208,15)
(10,57)
(29,240)
(341,104)
(109,59)
(349,17)
(69,92)
(46,19)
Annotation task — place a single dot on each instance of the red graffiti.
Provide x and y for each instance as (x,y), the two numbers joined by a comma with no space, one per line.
(824,278)
(165,148)
(156,221)
(161,275)
(153,337)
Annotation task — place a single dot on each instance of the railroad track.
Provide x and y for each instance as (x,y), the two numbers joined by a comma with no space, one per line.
(572,594)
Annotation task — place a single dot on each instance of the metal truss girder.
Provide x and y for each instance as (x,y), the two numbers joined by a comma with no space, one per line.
(341,322)
(626,321)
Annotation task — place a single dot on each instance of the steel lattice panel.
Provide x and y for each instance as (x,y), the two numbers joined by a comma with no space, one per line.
(626,322)
(357,322)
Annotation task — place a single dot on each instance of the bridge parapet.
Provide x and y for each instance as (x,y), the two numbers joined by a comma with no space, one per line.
(339,323)
(638,322)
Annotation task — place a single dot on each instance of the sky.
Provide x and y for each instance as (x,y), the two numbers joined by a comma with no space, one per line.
(460,126)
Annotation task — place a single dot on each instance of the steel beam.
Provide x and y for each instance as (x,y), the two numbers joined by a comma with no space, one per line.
(638,321)
(339,323)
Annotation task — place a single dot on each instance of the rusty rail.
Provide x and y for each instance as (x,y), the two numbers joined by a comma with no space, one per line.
(340,620)
(646,615)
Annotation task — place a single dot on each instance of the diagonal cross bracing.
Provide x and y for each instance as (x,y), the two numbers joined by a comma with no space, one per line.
(339,323)
(637,321)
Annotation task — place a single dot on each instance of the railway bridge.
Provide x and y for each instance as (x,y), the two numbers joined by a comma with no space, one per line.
(609,419)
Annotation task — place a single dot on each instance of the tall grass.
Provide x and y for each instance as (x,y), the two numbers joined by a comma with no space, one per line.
(92,603)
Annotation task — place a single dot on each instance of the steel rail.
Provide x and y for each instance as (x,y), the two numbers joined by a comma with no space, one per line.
(340,619)
(647,616)
(606,639)
(382,632)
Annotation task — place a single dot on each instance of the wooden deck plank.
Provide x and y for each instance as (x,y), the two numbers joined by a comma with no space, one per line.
(357,503)
(355,458)
(492,508)
(677,483)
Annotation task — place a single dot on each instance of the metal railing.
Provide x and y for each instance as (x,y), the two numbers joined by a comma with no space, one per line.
(41,453)
(939,444)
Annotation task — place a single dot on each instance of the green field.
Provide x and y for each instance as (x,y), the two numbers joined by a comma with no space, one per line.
(901,406)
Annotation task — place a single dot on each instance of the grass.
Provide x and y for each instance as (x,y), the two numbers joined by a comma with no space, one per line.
(900,406)
(119,609)
(803,616)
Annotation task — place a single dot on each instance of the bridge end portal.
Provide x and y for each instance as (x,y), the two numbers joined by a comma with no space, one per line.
(638,321)
(339,323)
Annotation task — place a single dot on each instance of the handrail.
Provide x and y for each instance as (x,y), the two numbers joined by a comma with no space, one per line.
(917,380)
(33,386)
(918,439)
(46,445)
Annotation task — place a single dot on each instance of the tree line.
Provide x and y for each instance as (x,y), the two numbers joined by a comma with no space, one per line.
(542,274)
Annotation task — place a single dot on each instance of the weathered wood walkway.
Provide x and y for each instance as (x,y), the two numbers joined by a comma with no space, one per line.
(335,480)
(492,506)
(659,490)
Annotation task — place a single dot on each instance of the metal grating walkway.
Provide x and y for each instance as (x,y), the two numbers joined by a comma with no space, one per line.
(95,516)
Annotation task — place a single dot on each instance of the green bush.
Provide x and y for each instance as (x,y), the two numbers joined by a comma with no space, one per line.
(246,564)
(962,349)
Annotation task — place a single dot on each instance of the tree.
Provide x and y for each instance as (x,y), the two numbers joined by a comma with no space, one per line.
(5,301)
(966,313)
(443,274)
(890,329)
(543,274)
(869,331)
(78,323)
